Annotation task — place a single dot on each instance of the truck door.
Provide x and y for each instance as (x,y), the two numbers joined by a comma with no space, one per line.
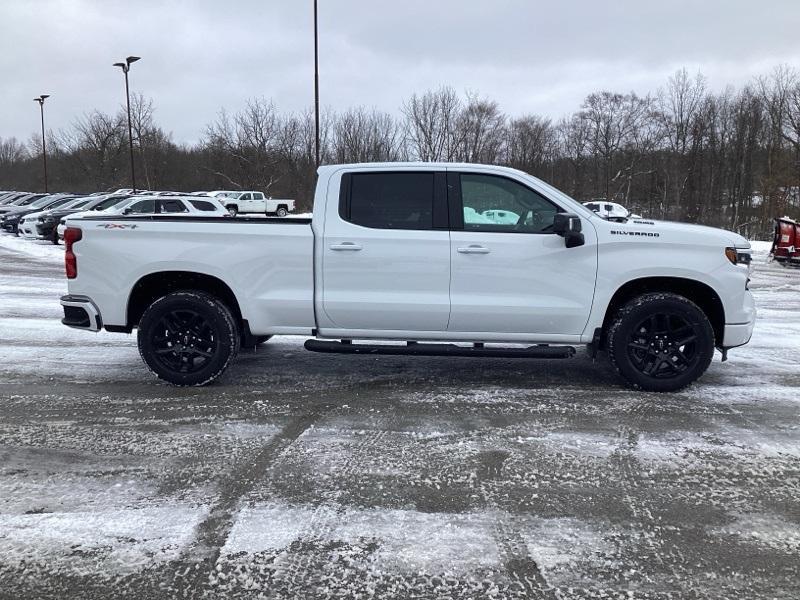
(259,204)
(246,202)
(512,274)
(386,253)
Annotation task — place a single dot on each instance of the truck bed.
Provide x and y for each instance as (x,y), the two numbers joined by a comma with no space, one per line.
(266,262)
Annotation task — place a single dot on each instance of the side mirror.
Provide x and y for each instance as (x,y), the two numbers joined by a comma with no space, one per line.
(127,211)
(568,226)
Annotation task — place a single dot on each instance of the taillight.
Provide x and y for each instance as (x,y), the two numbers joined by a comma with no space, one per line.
(71,235)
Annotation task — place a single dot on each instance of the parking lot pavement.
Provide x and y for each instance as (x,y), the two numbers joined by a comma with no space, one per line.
(302,475)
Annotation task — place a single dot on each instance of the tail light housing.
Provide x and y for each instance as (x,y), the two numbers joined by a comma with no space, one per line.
(71,235)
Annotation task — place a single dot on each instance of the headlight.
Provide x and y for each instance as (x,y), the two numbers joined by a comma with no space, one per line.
(739,257)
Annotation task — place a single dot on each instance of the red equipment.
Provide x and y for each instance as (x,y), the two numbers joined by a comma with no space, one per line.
(786,245)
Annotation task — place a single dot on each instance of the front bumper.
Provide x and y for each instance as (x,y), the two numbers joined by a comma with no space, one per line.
(738,334)
(32,230)
(81,313)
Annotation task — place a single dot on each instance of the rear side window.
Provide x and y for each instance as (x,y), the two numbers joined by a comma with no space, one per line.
(258,196)
(144,207)
(171,206)
(203,205)
(390,200)
(246,197)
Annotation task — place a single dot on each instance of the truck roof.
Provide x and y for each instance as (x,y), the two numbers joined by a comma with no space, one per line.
(422,166)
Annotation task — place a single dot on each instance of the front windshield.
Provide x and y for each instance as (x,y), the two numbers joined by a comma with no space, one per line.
(59,202)
(41,202)
(76,203)
(109,202)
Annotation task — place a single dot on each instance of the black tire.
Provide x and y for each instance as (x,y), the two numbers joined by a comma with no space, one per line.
(233,210)
(188,338)
(660,342)
(282,212)
(54,236)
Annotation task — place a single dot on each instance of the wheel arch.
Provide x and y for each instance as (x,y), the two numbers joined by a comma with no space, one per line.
(703,295)
(152,286)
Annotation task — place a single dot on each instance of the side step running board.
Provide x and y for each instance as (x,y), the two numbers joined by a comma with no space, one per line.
(420,349)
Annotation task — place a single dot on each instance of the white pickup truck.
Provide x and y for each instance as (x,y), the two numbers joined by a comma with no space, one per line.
(405,252)
(253,203)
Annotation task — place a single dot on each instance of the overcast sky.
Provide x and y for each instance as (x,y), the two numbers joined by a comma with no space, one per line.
(542,57)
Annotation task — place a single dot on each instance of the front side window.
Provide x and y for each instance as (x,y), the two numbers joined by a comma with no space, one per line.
(391,200)
(497,204)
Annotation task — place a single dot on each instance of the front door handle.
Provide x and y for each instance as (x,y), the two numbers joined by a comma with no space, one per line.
(474,249)
(352,246)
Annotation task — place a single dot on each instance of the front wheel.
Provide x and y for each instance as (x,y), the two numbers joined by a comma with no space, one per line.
(54,236)
(233,210)
(660,342)
(188,338)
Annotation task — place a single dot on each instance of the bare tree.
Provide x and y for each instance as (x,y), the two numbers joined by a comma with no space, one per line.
(431,125)
(481,131)
(366,136)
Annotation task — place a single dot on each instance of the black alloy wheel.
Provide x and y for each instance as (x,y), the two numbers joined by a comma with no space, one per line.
(184,341)
(663,345)
(188,338)
(660,342)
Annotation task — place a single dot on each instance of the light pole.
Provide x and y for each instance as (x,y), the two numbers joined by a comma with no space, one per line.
(316,84)
(40,100)
(126,66)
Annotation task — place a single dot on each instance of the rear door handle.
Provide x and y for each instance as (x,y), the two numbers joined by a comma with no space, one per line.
(352,246)
(474,249)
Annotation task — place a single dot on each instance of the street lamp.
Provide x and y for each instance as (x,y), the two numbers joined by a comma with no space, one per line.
(126,66)
(316,84)
(40,100)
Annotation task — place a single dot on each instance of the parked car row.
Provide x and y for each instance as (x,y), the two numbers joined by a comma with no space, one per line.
(43,216)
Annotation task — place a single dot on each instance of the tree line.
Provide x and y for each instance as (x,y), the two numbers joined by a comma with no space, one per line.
(685,152)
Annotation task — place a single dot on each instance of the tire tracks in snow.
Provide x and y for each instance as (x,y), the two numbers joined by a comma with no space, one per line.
(525,573)
(635,497)
(199,559)
(295,570)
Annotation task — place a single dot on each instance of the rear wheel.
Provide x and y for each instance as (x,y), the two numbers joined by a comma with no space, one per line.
(660,342)
(188,338)
(282,212)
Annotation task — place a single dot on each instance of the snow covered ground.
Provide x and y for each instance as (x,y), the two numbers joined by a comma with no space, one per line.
(302,475)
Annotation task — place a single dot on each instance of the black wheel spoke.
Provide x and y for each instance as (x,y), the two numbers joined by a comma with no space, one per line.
(687,340)
(639,346)
(184,341)
(663,345)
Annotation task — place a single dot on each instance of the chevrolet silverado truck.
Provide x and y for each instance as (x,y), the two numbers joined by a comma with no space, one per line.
(252,203)
(401,258)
